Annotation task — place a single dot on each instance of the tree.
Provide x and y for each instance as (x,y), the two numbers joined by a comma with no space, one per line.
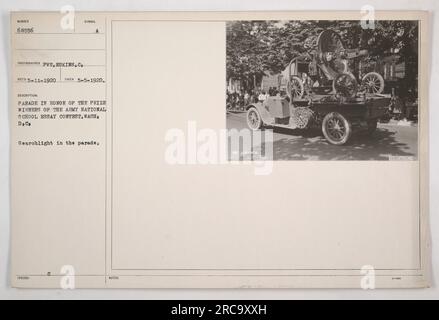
(257,47)
(247,43)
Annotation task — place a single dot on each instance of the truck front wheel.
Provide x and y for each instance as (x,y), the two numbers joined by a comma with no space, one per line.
(336,128)
(254,120)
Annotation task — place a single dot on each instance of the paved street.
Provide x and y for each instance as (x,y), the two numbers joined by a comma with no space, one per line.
(389,140)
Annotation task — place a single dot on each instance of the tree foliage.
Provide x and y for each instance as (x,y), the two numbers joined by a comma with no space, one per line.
(255,48)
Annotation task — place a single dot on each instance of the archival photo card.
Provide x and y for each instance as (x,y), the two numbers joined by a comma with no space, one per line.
(161,150)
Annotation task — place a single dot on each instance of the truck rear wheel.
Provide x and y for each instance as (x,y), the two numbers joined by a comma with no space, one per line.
(336,128)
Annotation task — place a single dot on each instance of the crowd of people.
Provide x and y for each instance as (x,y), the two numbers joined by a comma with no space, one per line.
(239,99)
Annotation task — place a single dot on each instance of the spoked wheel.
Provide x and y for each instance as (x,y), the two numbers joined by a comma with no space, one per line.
(345,85)
(254,120)
(373,82)
(297,88)
(336,128)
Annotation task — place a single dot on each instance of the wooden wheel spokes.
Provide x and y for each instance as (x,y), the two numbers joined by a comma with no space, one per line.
(346,85)
(336,129)
(373,82)
(297,88)
(253,119)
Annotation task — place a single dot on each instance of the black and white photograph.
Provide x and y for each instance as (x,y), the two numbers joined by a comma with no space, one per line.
(329,90)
